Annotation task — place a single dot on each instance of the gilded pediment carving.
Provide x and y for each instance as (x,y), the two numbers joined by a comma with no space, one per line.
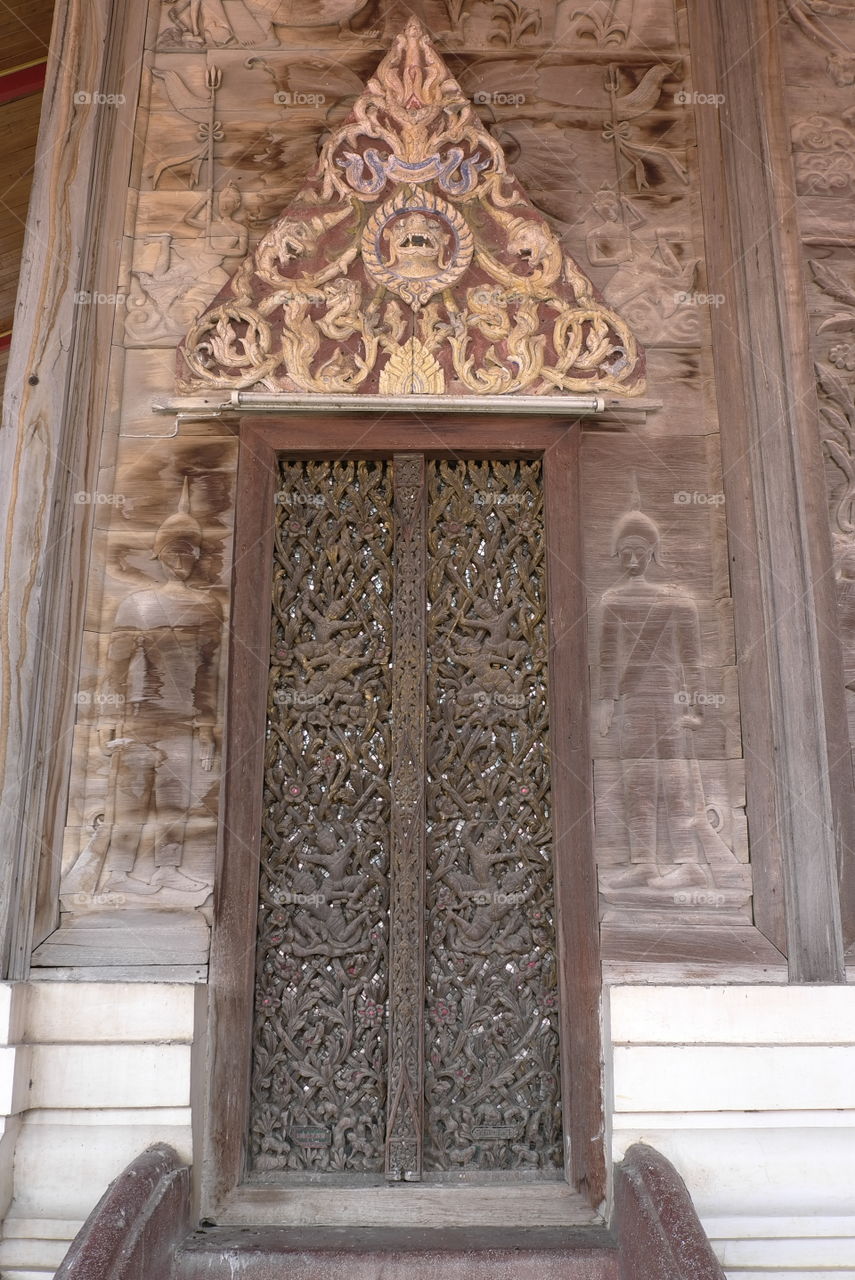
(411,262)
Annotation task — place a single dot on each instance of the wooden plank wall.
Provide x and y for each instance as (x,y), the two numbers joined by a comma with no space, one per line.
(24,38)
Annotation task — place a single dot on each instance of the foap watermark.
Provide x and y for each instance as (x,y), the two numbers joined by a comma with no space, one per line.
(284,498)
(98,899)
(284,98)
(495,898)
(694,698)
(84,99)
(488,499)
(687,98)
(501,99)
(286,899)
(83,298)
(684,498)
(699,898)
(84,699)
(699,299)
(85,498)
(511,699)
(298,698)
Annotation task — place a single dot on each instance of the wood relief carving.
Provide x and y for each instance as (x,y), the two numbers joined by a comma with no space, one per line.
(319,1067)
(385,1024)
(811,17)
(627,106)
(197,24)
(493,1098)
(652,693)
(411,261)
(820,47)
(605,22)
(158,709)
(652,282)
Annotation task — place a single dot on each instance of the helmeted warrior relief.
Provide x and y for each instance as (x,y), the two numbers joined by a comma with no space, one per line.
(652,688)
(161,679)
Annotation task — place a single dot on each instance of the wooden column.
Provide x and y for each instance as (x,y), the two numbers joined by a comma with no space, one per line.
(799,784)
(405,1118)
(49,447)
(573,821)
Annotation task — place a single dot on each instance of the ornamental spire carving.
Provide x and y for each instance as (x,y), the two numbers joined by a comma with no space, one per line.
(411,262)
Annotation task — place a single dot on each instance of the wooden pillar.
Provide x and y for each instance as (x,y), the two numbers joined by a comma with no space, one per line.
(800,809)
(55,393)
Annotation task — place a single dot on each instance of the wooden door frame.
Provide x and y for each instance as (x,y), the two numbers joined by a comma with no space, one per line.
(262,443)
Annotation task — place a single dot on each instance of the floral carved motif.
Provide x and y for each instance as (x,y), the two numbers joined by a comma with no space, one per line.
(411,262)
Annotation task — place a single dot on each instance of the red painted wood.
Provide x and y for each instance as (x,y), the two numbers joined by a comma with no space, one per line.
(22,81)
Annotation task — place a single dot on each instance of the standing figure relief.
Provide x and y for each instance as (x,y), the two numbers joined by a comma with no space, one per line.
(652,689)
(162,674)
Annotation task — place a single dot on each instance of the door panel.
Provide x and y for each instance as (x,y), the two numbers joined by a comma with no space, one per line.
(319,1043)
(406,1009)
(492,1082)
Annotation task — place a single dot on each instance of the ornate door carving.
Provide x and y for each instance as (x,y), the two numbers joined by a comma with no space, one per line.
(406,1018)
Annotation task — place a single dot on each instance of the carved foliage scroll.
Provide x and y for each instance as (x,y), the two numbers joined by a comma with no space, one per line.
(381,777)
(411,262)
(319,1071)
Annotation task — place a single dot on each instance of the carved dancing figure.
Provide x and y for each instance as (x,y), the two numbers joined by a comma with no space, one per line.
(199,21)
(322,927)
(327,626)
(652,681)
(162,669)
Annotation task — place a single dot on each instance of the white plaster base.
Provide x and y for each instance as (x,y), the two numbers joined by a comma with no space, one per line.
(108,1073)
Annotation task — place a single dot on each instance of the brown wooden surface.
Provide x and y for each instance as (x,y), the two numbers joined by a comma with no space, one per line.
(232,957)
(732,955)
(24,32)
(573,820)
(19,127)
(236,893)
(24,37)
(408,786)
(798,799)
(441,435)
(53,417)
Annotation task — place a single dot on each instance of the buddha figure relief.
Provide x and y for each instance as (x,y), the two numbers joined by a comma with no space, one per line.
(652,689)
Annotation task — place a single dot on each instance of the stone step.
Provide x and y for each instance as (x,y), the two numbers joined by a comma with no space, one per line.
(400,1253)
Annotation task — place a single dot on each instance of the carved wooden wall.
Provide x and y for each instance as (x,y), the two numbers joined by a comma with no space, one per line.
(595,109)
(819,59)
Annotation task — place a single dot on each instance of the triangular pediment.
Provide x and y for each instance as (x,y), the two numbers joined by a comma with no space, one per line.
(411,262)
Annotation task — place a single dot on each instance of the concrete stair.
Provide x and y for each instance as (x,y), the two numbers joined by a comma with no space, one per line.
(345,1253)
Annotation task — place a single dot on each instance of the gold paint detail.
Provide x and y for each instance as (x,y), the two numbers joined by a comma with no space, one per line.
(411,262)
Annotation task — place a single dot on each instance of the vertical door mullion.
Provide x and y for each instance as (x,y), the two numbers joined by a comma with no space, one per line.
(405,1115)
(573,826)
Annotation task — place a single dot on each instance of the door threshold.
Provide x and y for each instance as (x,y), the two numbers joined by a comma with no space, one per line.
(547,1205)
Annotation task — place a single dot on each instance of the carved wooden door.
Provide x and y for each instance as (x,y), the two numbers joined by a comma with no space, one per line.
(407,992)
